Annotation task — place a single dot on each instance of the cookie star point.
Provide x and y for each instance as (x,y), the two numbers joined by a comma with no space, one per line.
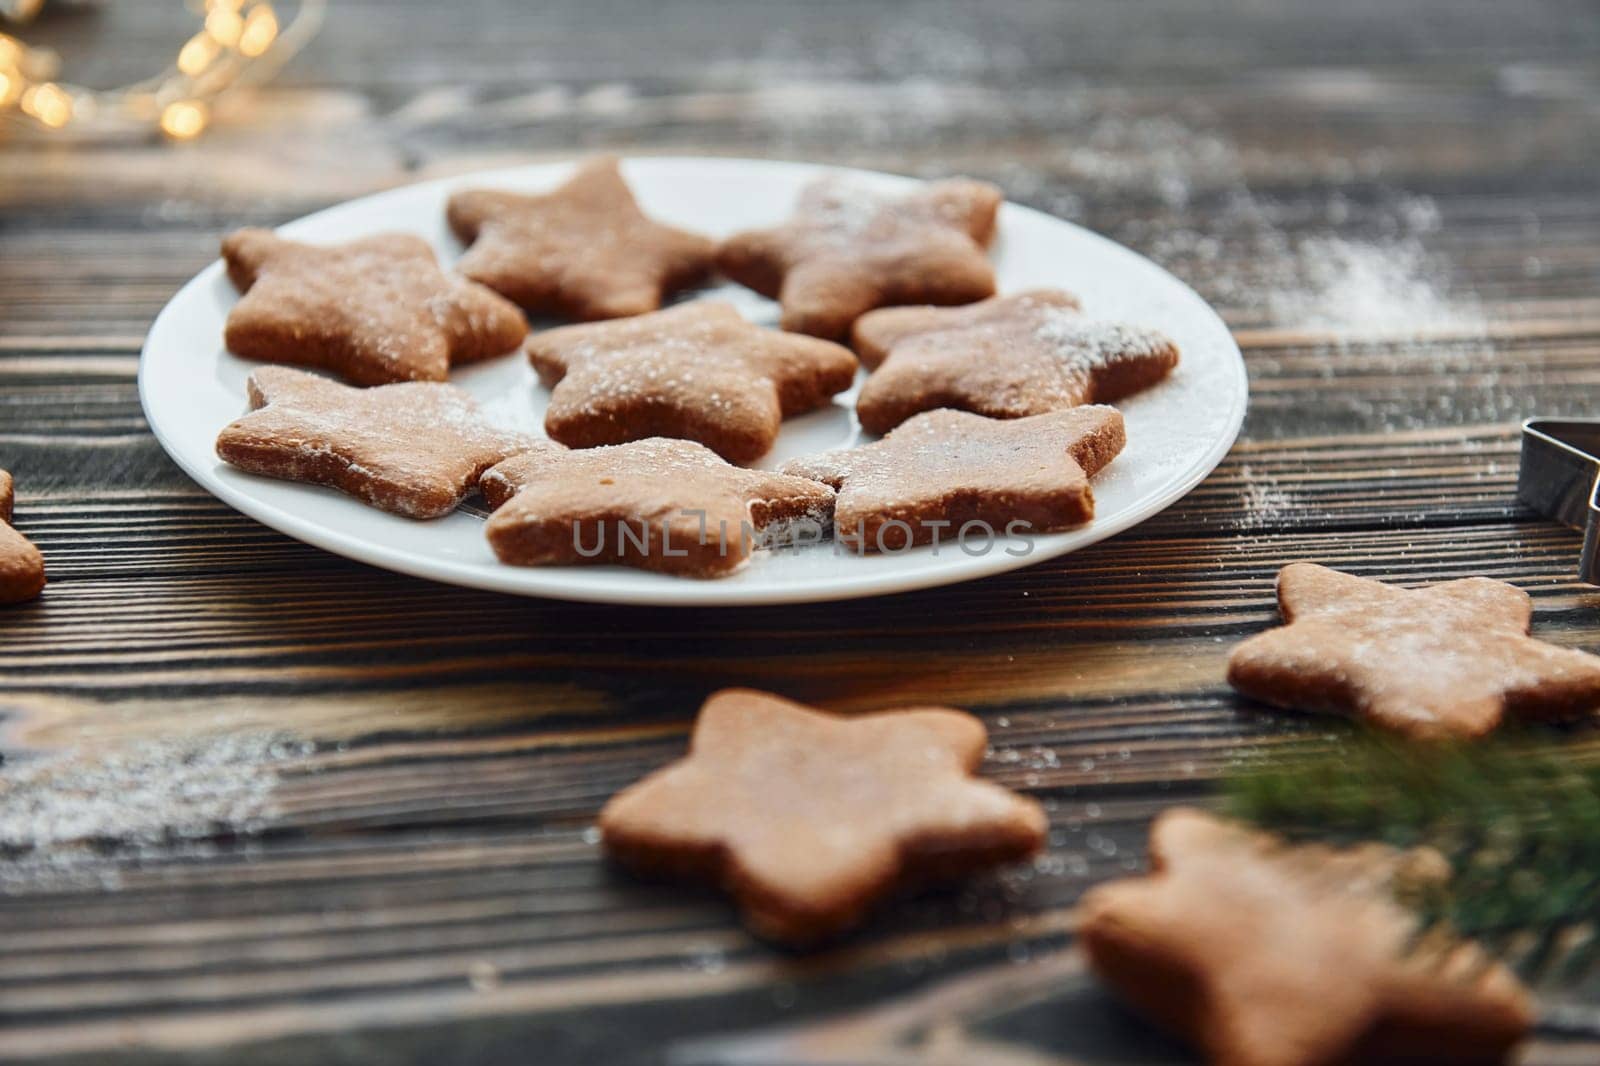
(414,449)
(699,371)
(1264,954)
(808,819)
(1453,660)
(847,250)
(584,250)
(375,311)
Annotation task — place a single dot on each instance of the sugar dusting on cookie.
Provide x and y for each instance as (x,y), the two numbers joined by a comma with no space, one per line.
(699,371)
(414,448)
(1082,344)
(380,309)
(840,255)
(839,210)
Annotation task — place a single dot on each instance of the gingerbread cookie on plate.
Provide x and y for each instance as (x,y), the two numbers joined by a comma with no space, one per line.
(671,506)
(808,819)
(1008,357)
(1449,660)
(942,472)
(847,250)
(1262,954)
(583,251)
(374,311)
(21,565)
(699,371)
(414,449)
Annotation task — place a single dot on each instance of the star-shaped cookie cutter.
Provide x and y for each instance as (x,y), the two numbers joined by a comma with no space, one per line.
(1559,477)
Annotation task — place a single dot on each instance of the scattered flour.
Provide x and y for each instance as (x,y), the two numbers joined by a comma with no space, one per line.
(1263,505)
(1236,246)
(57,810)
(1390,289)
(1383,284)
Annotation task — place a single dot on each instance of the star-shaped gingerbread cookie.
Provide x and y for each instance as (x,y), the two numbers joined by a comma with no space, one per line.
(1008,357)
(1450,660)
(698,371)
(1262,954)
(373,311)
(21,565)
(808,819)
(414,449)
(944,474)
(583,251)
(658,504)
(847,250)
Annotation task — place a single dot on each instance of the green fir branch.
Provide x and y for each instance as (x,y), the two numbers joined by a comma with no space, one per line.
(1519,823)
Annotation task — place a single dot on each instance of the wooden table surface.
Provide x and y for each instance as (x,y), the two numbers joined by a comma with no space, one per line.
(260,804)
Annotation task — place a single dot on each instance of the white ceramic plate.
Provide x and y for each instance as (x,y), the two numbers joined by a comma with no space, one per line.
(191,387)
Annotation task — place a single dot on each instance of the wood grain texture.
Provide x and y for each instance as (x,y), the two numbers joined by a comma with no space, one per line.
(261,805)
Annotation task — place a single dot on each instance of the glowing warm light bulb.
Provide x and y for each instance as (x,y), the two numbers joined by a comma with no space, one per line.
(10,51)
(48,103)
(10,88)
(225,26)
(184,119)
(260,30)
(198,53)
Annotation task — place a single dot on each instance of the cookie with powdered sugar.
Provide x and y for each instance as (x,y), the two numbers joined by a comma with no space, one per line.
(584,250)
(1453,660)
(414,449)
(1262,953)
(21,565)
(1009,357)
(946,476)
(809,819)
(373,311)
(698,371)
(671,506)
(847,250)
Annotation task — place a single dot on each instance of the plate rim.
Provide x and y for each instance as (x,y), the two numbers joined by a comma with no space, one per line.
(556,583)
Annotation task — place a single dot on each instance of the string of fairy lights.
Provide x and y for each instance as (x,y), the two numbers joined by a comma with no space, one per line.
(239,42)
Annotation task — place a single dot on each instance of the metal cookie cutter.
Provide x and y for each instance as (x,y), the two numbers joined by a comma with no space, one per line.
(1560,478)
